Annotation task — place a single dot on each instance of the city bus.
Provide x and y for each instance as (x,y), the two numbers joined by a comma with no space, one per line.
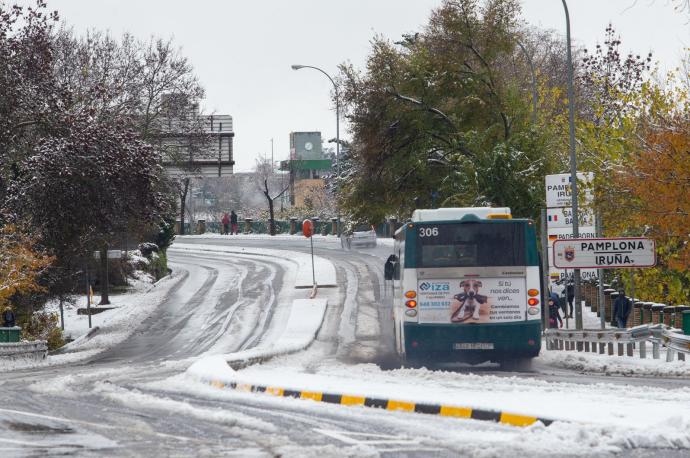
(466,287)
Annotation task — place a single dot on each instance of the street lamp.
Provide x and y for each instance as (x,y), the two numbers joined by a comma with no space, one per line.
(573,168)
(337,126)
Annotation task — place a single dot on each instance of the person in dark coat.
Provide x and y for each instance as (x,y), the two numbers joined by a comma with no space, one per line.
(233,222)
(8,318)
(555,320)
(570,291)
(621,309)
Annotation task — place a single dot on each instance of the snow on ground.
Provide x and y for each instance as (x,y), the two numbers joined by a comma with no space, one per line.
(595,363)
(599,418)
(78,325)
(304,322)
(324,269)
(114,325)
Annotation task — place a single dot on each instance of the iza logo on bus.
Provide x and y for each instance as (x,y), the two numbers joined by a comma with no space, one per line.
(426,286)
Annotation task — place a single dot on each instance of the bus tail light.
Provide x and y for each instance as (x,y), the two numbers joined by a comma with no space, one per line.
(533,292)
(411,304)
(410,294)
(533,301)
(411,313)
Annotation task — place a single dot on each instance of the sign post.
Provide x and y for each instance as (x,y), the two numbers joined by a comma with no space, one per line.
(564,215)
(308,231)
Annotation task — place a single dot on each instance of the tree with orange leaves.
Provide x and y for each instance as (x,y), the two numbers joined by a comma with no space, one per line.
(657,183)
(20,265)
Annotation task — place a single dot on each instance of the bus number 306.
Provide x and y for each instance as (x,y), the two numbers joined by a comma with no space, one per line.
(428,231)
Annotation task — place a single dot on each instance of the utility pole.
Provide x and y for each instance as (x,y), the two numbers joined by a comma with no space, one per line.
(573,167)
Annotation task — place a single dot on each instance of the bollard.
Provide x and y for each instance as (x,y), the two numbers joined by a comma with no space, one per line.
(629,349)
(334,226)
(610,348)
(293,226)
(643,349)
(655,350)
(247,225)
(620,349)
(602,348)
(686,322)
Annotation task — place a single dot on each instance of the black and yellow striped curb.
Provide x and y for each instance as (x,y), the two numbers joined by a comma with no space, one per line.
(507,418)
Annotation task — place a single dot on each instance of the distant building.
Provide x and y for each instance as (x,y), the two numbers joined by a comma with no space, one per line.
(307,165)
(197,145)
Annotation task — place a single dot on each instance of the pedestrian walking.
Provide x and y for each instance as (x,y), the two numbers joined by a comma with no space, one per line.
(226,224)
(570,290)
(233,222)
(555,320)
(621,309)
(8,318)
(558,288)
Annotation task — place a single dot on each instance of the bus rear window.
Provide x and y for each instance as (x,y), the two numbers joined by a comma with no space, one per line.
(470,245)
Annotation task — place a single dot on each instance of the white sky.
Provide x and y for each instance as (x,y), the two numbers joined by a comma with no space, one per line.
(242,50)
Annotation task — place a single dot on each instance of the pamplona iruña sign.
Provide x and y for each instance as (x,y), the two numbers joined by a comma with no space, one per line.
(609,253)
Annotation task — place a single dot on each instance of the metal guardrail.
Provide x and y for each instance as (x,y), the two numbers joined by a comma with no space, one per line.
(602,341)
(37,350)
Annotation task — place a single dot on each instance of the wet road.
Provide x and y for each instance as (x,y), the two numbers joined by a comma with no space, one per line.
(127,401)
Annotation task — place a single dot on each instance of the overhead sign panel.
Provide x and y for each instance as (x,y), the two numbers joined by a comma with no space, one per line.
(609,253)
(558,189)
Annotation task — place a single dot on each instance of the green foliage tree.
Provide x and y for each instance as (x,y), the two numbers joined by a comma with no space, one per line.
(445,116)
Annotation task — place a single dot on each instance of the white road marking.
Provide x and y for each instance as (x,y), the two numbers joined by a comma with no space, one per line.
(355,438)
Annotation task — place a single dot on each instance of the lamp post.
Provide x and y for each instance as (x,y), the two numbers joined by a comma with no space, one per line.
(337,126)
(573,168)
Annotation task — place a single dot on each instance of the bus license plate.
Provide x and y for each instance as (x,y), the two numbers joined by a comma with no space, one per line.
(473,346)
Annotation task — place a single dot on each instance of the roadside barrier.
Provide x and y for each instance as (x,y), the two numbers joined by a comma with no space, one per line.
(603,341)
(495,416)
(36,350)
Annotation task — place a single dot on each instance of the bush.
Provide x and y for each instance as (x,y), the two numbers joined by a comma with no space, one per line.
(147,248)
(44,326)
(159,265)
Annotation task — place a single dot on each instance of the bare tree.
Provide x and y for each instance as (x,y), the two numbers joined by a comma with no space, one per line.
(272,188)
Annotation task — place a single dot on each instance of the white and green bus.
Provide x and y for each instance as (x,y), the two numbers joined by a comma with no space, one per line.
(467,287)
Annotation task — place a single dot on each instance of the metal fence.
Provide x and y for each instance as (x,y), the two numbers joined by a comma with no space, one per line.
(623,340)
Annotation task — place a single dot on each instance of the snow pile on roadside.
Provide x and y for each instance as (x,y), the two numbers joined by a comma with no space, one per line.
(302,326)
(78,325)
(616,365)
(323,268)
(115,325)
(597,418)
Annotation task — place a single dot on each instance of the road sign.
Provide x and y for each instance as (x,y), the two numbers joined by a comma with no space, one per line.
(560,217)
(558,189)
(563,274)
(566,233)
(609,253)
(307,228)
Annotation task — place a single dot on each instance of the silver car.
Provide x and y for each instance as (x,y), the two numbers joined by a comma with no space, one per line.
(362,235)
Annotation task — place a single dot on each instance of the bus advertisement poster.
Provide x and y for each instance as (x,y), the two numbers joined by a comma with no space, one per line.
(476,300)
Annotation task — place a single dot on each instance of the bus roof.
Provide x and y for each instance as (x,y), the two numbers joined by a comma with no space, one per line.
(450,214)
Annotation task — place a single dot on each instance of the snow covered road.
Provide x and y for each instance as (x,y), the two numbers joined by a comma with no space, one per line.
(135,398)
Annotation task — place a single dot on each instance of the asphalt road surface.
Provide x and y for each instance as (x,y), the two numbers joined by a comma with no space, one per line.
(110,405)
